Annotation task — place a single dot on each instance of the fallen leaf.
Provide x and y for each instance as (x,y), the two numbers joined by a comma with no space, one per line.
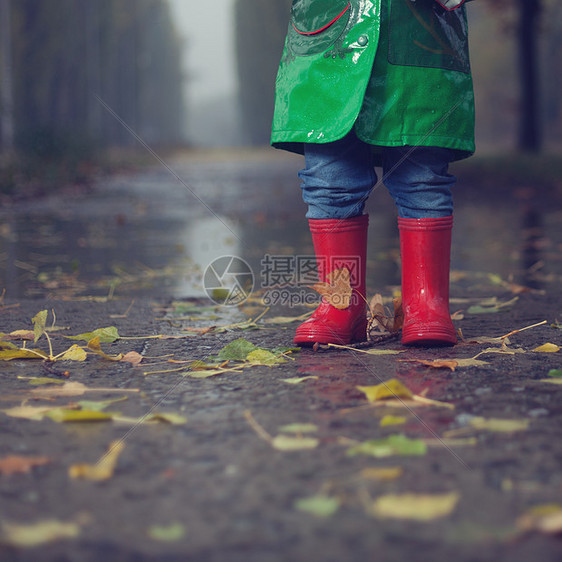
(392,445)
(556,373)
(39,324)
(419,507)
(94,345)
(166,533)
(491,306)
(237,350)
(499,425)
(17,353)
(392,420)
(381,473)
(103,469)
(392,388)
(74,353)
(547,348)
(264,357)
(293,443)
(21,465)
(298,380)
(545,518)
(22,335)
(69,415)
(336,290)
(298,428)
(319,505)
(552,381)
(35,534)
(133,357)
(38,381)
(99,405)
(105,335)
(72,388)
(35,413)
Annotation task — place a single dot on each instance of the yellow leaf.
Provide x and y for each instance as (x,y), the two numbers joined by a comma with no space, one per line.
(419,507)
(35,534)
(73,353)
(293,443)
(69,415)
(392,388)
(382,473)
(9,354)
(545,518)
(298,380)
(94,345)
(500,425)
(103,469)
(392,420)
(547,348)
(336,290)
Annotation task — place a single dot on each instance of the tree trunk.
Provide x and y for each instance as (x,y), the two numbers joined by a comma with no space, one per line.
(529,128)
(6,92)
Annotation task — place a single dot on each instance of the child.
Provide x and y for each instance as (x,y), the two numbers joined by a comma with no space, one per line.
(365,83)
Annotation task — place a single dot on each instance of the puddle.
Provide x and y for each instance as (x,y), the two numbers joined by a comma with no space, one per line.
(147,234)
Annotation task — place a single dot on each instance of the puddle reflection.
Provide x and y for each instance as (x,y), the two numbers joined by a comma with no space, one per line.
(103,241)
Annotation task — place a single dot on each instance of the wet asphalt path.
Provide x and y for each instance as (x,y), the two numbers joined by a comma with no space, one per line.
(213,487)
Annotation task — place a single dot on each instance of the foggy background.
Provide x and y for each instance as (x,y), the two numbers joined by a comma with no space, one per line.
(77,75)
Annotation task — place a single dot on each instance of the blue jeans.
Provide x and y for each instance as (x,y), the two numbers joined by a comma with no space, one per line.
(339,177)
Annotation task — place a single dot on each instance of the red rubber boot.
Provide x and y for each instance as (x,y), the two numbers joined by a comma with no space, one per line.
(338,243)
(425,246)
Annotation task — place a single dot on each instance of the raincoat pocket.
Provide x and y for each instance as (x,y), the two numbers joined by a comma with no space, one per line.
(316,25)
(425,34)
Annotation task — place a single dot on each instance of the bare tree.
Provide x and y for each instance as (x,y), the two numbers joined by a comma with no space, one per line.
(6,92)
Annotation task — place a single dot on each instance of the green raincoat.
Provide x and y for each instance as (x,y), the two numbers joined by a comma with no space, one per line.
(396,70)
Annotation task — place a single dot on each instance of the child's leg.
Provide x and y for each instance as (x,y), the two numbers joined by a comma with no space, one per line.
(338,178)
(421,187)
(336,183)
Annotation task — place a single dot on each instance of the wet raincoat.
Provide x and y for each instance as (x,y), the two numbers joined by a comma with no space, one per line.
(396,70)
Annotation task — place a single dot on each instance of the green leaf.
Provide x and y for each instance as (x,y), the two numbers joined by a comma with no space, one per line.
(293,443)
(99,405)
(319,505)
(556,373)
(264,357)
(39,324)
(392,445)
(237,350)
(37,381)
(298,428)
(105,335)
(167,533)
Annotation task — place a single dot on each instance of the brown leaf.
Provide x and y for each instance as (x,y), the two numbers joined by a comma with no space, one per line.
(336,290)
(133,357)
(21,465)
